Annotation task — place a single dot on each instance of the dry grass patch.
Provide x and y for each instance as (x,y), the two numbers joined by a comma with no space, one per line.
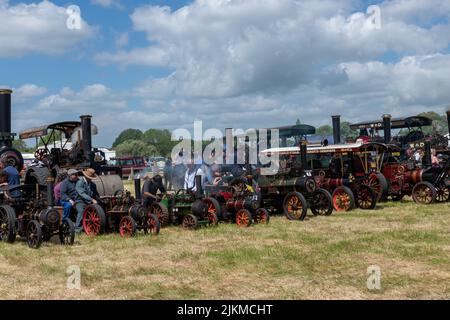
(321,258)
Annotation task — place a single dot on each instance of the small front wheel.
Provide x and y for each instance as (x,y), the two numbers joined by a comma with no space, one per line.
(243,218)
(34,234)
(127,227)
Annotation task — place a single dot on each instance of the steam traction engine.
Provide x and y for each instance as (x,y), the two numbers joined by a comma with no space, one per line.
(293,188)
(423,181)
(240,202)
(188,209)
(121,213)
(31,216)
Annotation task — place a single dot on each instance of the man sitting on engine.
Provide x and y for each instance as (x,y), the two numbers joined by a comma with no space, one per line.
(69,195)
(13,177)
(87,191)
(150,190)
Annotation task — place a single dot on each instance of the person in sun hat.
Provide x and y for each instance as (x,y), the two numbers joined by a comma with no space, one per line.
(88,194)
(69,197)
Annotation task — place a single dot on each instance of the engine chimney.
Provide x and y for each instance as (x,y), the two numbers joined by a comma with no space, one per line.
(86,132)
(137,189)
(427,154)
(336,129)
(387,128)
(448,121)
(303,150)
(198,187)
(50,186)
(5,118)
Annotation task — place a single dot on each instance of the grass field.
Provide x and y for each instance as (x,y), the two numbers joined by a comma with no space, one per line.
(320,258)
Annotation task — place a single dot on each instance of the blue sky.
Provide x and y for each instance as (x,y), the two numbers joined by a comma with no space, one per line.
(239,63)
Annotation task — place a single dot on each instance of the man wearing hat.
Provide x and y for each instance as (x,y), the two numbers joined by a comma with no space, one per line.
(87,191)
(68,194)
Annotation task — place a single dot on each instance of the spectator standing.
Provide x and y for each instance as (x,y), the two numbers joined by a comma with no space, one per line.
(168,174)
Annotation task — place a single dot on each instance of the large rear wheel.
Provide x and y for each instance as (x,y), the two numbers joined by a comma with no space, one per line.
(378,182)
(161,212)
(7,224)
(94,220)
(295,206)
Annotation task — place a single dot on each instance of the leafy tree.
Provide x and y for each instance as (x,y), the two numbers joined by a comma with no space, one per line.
(439,122)
(161,139)
(325,130)
(128,134)
(347,132)
(136,148)
(21,146)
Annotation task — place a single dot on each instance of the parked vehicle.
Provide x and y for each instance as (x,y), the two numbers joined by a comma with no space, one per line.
(130,165)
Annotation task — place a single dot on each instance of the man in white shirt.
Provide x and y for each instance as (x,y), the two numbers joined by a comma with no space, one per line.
(189,178)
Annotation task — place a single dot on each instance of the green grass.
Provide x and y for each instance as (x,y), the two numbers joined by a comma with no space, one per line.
(319,258)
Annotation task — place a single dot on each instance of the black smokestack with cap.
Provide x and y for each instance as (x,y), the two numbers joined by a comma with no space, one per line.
(137,189)
(448,121)
(303,150)
(427,154)
(50,185)
(86,133)
(387,128)
(198,187)
(5,118)
(336,129)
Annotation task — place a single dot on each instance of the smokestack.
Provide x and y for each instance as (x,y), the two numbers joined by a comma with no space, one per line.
(336,129)
(137,189)
(448,121)
(50,196)
(86,132)
(427,155)
(198,187)
(5,118)
(303,150)
(387,128)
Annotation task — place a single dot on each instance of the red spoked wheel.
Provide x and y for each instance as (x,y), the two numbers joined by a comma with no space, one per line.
(153,224)
(94,220)
(161,212)
(261,216)
(343,199)
(213,210)
(295,206)
(190,222)
(378,182)
(243,218)
(127,227)
(366,198)
(424,193)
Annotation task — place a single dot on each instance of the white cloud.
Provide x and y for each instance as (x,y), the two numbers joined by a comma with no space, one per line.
(38,28)
(28,91)
(230,48)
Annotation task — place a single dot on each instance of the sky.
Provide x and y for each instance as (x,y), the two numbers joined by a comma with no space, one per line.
(229,63)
